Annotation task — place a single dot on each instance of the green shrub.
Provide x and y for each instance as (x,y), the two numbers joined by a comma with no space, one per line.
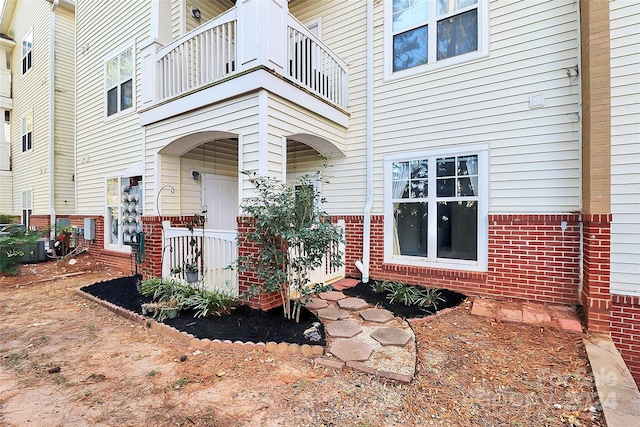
(426,298)
(6,218)
(185,297)
(206,303)
(14,247)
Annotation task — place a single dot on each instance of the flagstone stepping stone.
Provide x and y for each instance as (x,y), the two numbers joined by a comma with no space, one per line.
(377,315)
(391,336)
(343,329)
(316,304)
(353,304)
(331,313)
(332,296)
(351,350)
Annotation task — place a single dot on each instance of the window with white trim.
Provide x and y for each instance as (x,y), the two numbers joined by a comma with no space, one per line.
(27,132)
(27,207)
(123,219)
(27,48)
(424,34)
(119,82)
(435,209)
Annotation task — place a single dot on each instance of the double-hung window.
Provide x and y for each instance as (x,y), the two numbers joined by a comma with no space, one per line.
(27,48)
(27,207)
(119,82)
(425,34)
(27,132)
(435,209)
(123,219)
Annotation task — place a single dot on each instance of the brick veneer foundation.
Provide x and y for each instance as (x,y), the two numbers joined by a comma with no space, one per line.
(625,330)
(533,257)
(595,297)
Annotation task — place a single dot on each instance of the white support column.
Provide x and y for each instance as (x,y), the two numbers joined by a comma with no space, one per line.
(160,30)
(159,35)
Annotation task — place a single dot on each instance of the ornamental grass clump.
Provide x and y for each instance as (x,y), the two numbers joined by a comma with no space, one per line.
(293,236)
(425,298)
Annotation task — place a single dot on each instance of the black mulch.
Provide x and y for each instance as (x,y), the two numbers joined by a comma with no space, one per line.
(364,291)
(245,324)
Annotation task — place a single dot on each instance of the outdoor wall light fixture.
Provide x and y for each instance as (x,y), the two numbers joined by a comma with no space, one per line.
(195,175)
(196,13)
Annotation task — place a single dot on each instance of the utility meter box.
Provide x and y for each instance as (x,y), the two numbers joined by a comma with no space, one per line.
(89,229)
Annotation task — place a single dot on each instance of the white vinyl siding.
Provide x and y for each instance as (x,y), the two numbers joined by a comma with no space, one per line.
(208,10)
(64,112)
(534,154)
(625,147)
(6,186)
(30,92)
(238,116)
(344,32)
(105,147)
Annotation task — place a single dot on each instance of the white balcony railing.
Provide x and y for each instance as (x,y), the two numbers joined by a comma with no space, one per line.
(313,65)
(219,250)
(240,40)
(203,56)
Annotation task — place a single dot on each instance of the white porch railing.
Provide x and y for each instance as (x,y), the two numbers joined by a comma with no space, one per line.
(327,273)
(219,250)
(202,56)
(258,34)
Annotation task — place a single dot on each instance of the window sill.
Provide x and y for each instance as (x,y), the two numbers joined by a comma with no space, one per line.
(453,265)
(124,250)
(391,76)
(430,270)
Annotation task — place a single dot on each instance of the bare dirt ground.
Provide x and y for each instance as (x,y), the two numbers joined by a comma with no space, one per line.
(471,371)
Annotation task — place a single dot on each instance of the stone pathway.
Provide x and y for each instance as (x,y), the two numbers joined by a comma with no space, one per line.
(364,338)
(555,316)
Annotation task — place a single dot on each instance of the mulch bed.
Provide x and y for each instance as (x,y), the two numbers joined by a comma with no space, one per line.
(246,324)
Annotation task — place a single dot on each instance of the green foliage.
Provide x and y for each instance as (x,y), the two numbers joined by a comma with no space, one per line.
(19,243)
(206,303)
(170,293)
(6,218)
(292,235)
(426,298)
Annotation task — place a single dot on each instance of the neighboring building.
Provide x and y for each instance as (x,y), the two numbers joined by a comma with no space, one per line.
(37,98)
(490,147)
(6,105)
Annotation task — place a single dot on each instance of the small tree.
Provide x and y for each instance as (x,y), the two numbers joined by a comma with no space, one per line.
(293,236)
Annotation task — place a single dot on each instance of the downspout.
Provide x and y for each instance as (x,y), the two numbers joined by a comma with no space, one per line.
(366,232)
(581,224)
(52,93)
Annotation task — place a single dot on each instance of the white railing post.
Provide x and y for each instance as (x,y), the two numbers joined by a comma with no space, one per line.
(262,33)
(150,71)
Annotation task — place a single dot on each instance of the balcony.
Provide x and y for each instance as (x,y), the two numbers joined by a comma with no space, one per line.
(254,45)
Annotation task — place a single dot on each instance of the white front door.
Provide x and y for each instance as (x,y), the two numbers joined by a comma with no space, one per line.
(220,196)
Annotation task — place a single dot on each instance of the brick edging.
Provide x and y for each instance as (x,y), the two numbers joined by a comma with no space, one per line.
(205,343)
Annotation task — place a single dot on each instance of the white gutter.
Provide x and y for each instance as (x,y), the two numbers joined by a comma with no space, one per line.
(52,93)
(366,232)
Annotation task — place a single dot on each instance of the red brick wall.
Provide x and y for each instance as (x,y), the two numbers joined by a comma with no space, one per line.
(596,271)
(530,257)
(625,330)
(246,279)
